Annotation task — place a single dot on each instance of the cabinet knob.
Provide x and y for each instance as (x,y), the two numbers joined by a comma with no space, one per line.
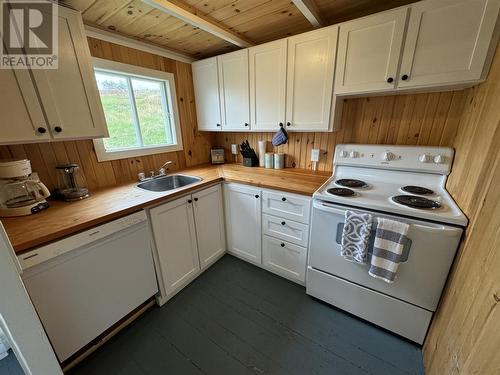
(218,124)
(283,223)
(246,124)
(282,244)
(390,80)
(57,129)
(190,201)
(404,77)
(41,130)
(256,195)
(281,124)
(196,199)
(283,199)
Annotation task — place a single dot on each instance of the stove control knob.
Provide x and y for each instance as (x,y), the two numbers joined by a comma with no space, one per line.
(388,156)
(425,158)
(439,159)
(343,154)
(353,154)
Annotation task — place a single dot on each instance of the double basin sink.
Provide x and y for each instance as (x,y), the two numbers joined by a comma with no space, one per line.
(170,182)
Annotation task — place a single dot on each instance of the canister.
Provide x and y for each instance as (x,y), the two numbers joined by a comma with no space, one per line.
(269,160)
(279,161)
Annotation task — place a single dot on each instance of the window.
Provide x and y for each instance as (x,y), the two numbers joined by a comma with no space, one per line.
(140,109)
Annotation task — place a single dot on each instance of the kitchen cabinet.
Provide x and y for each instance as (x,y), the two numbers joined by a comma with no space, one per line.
(284,258)
(267,69)
(22,114)
(233,89)
(206,90)
(309,84)
(369,51)
(209,220)
(67,104)
(447,42)
(189,235)
(243,221)
(175,236)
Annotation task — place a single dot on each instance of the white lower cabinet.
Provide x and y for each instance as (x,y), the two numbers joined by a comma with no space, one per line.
(209,219)
(260,229)
(284,258)
(243,221)
(189,236)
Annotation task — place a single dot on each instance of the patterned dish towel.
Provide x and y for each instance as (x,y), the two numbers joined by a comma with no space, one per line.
(387,249)
(356,236)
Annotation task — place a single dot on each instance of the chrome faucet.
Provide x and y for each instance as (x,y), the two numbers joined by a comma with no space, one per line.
(161,172)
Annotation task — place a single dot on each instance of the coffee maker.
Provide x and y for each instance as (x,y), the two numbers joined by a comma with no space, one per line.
(21,191)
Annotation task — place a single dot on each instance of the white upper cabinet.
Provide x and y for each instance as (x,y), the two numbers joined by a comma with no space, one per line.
(62,103)
(206,91)
(369,52)
(243,221)
(233,88)
(267,66)
(209,219)
(311,68)
(22,118)
(447,41)
(69,93)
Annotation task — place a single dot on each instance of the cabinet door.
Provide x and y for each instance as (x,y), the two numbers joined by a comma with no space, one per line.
(206,93)
(447,41)
(69,94)
(243,221)
(284,258)
(175,236)
(267,65)
(22,115)
(369,52)
(209,219)
(234,95)
(311,66)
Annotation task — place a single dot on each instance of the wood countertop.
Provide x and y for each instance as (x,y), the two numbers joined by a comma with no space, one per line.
(65,218)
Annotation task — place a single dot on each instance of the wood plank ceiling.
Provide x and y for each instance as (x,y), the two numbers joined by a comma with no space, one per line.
(256,20)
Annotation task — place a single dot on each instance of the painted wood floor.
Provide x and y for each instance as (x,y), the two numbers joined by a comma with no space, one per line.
(238,319)
(10,366)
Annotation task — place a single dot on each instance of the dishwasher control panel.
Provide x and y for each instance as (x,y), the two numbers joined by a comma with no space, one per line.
(54,249)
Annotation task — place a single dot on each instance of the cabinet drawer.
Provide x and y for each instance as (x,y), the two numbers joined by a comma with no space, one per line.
(284,258)
(288,206)
(285,229)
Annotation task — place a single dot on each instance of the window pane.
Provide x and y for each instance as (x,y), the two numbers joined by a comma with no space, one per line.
(153,116)
(116,104)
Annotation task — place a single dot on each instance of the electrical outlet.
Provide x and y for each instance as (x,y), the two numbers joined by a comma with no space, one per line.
(315,154)
(234,149)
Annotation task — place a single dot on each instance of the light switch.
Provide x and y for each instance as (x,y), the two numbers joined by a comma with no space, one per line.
(315,154)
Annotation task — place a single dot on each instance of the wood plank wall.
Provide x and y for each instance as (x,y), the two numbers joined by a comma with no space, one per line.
(419,119)
(465,335)
(45,156)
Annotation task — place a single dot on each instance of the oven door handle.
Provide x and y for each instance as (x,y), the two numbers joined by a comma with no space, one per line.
(329,208)
(446,231)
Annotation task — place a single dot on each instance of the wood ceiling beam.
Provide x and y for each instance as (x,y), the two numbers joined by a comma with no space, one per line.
(309,9)
(202,21)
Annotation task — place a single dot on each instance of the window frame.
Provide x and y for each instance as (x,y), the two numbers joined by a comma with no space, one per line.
(114,67)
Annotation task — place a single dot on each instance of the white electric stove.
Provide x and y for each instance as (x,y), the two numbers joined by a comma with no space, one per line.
(403,183)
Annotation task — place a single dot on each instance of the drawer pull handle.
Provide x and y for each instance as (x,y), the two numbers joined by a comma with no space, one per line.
(282,244)
(283,223)
(283,199)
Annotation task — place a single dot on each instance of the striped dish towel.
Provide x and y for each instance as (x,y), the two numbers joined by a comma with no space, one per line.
(387,249)
(355,236)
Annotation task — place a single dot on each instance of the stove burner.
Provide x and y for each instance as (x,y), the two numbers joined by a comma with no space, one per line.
(416,202)
(351,183)
(343,192)
(417,190)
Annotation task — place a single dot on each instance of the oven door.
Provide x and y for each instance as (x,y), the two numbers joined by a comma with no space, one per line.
(420,278)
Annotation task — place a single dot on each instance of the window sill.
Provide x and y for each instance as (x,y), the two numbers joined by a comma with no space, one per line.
(103,155)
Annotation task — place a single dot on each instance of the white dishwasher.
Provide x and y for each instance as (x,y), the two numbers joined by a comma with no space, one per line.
(83,284)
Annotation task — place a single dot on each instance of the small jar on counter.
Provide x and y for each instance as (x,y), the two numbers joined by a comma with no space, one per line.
(279,161)
(269,160)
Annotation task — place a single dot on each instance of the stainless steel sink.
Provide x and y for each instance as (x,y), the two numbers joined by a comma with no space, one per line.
(169,182)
